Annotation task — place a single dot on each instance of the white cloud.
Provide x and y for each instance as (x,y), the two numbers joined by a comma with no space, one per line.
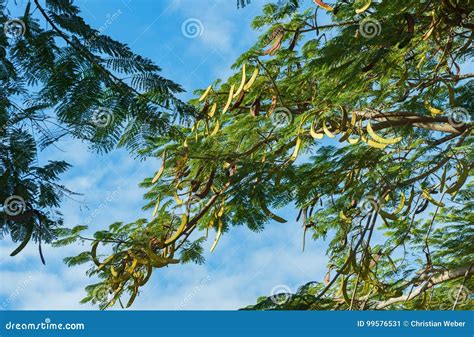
(245,265)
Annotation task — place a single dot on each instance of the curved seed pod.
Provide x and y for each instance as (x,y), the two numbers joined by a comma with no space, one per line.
(463,173)
(26,239)
(114,272)
(208,186)
(121,277)
(296,150)
(218,235)
(229,99)
(344,117)
(299,214)
(422,207)
(442,182)
(353,141)
(157,206)
(94,253)
(303,120)
(272,105)
(161,170)
(327,278)
(313,133)
(371,143)
(210,225)
(220,213)
(239,100)
(428,33)
(353,119)
(149,271)
(196,125)
(326,130)
(323,5)
(349,262)
(427,196)
(142,260)
(431,109)
(410,201)
(350,179)
(344,293)
(196,137)
(346,135)
(387,215)
(179,231)
(134,294)
(117,291)
(217,127)
(205,94)
(130,270)
(365,7)
(268,213)
(106,262)
(344,217)
(251,80)
(156,260)
(242,83)
(379,139)
(401,204)
(177,199)
(410,30)
(348,131)
(276,44)
(138,275)
(212,111)
(255,108)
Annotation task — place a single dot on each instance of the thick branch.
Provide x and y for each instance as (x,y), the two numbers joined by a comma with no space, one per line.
(446,276)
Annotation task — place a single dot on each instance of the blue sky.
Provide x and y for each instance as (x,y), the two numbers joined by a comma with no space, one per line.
(244,265)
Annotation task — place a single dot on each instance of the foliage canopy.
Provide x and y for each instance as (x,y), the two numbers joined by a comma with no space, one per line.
(66,80)
(364,124)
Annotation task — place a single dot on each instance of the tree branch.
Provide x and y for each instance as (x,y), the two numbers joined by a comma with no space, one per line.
(444,277)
